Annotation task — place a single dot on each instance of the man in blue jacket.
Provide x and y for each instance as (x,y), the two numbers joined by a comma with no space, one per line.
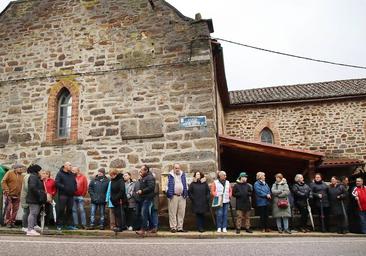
(177,193)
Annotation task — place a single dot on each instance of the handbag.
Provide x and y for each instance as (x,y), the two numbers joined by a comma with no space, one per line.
(217,201)
(282,203)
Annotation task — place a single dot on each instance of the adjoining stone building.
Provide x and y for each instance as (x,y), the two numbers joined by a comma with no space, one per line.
(105,83)
(296,129)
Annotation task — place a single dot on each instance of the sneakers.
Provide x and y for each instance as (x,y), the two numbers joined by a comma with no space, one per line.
(130,228)
(32,233)
(25,230)
(59,228)
(218,230)
(224,230)
(37,228)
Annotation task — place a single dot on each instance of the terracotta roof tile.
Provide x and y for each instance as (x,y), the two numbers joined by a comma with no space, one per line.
(288,93)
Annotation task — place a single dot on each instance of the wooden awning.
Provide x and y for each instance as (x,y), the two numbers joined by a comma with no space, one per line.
(270,149)
(340,162)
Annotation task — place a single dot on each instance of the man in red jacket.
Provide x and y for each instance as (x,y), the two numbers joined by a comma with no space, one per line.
(80,193)
(359,193)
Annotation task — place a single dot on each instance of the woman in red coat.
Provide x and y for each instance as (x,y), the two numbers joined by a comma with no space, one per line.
(51,190)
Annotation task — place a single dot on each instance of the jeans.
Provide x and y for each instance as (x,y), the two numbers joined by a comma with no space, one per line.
(221,216)
(263,215)
(279,223)
(200,221)
(78,205)
(33,215)
(93,210)
(154,219)
(145,213)
(362,215)
(25,217)
(64,210)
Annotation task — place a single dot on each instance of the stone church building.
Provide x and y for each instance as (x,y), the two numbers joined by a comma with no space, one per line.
(108,83)
(121,83)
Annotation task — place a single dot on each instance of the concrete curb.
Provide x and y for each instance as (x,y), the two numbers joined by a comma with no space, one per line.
(104,234)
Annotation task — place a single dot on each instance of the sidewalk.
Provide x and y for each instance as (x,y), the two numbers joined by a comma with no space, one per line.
(167,234)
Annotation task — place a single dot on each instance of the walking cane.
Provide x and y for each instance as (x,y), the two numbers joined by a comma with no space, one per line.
(322,215)
(232,214)
(310,214)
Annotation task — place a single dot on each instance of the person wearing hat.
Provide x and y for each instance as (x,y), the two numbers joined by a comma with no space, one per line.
(36,197)
(242,191)
(12,186)
(97,190)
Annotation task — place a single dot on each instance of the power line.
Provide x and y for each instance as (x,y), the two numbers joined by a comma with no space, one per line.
(291,55)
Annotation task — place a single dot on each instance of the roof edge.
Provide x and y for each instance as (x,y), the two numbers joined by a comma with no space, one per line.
(290,85)
(295,101)
(181,15)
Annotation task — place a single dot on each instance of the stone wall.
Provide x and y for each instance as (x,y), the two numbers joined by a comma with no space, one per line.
(336,128)
(134,71)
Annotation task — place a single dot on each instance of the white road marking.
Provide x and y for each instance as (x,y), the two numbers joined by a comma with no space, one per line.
(290,241)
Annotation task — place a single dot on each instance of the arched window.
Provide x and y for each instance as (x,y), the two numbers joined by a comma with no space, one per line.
(267,136)
(64,114)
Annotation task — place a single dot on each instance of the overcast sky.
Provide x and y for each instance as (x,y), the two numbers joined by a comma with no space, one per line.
(333,30)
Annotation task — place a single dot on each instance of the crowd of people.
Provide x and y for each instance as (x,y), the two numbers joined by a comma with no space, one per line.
(133,204)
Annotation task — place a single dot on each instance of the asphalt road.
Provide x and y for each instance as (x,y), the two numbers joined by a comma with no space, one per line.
(42,246)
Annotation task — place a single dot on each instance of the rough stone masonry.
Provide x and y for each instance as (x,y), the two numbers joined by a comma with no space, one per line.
(132,70)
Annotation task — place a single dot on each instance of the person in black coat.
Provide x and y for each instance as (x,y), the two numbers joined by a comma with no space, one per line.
(243,191)
(199,194)
(146,193)
(302,194)
(337,196)
(97,191)
(320,191)
(35,198)
(118,199)
(66,187)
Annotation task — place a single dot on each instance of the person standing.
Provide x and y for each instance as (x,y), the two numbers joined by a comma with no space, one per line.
(302,195)
(2,174)
(359,194)
(199,194)
(221,189)
(23,203)
(50,188)
(66,186)
(118,199)
(337,195)
(146,194)
(154,217)
(263,198)
(320,191)
(130,194)
(98,190)
(281,209)
(12,187)
(177,193)
(36,197)
(242,191)
(80,193)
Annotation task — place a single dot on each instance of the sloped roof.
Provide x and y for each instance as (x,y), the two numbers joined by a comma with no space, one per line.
(299,92)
